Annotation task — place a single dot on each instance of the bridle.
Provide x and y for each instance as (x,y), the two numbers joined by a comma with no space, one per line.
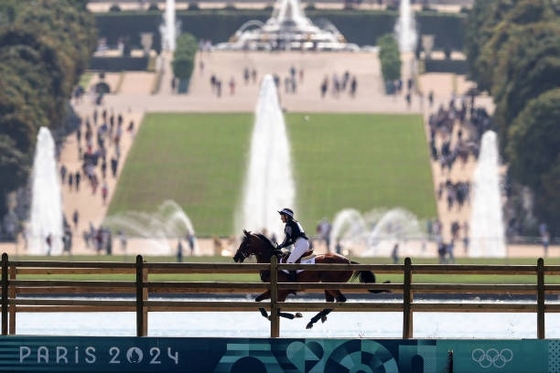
(243,252)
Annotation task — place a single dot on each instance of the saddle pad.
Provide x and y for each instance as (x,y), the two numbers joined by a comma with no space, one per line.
(310,259)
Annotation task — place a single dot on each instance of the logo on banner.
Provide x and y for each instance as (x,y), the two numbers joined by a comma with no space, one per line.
(492,357)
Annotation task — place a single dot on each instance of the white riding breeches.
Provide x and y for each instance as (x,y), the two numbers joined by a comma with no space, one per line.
(300,247)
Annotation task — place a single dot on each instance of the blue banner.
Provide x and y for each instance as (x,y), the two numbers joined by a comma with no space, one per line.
(236,355)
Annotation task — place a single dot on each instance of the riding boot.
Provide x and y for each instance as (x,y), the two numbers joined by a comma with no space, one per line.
(293,276)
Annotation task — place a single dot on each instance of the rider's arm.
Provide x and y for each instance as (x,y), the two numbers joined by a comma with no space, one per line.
(288,239)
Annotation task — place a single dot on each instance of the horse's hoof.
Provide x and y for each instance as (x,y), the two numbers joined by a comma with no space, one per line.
(309,326)
(323,319)
(298,315)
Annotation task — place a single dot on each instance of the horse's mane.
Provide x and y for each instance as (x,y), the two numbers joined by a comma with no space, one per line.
(260,236)
(264,238)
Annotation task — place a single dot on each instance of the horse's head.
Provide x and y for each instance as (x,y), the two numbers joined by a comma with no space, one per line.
(253,244)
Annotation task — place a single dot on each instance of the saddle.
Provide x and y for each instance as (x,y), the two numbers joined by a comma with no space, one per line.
(305,257)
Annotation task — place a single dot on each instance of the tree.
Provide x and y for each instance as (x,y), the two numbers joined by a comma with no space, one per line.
(14,169)
(183,59)
(390,58)
(534,151)
(45,46)
(529,64)
(513,49)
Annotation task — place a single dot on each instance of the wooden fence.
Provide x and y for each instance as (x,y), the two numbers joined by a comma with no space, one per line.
(26,287)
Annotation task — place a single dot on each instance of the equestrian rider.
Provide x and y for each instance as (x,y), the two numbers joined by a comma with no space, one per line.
(294,235)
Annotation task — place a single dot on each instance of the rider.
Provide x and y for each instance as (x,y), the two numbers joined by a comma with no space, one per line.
(294,235)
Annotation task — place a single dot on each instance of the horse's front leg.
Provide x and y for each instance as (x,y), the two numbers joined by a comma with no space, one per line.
(261,297)
(282,295)
(290,316)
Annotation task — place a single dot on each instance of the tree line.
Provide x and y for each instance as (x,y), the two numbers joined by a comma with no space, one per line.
(45,46)
(513,52)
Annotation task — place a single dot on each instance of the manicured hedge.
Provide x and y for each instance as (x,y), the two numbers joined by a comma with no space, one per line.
(359,27)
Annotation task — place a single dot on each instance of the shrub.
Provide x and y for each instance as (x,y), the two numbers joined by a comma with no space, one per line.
(310,6)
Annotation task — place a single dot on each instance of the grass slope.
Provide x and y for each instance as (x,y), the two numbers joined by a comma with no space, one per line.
(359,161)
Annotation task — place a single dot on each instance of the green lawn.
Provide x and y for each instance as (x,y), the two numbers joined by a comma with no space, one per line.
(360,161)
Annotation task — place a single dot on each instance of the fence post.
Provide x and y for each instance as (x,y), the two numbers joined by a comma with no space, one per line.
(540,299)
(12,294)
(407,299)
(140,322)
(5,294)
(274,310)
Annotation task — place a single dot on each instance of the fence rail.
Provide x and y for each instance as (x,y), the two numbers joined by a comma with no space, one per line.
(26,287)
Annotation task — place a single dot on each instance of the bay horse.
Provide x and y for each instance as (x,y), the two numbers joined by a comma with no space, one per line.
(262,248)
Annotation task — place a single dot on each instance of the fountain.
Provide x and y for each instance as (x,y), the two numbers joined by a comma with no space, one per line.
(375,232)
(487,227)
(158,230)
(46,205)
(269,185)
(405,28)
(288,28)
(169,28)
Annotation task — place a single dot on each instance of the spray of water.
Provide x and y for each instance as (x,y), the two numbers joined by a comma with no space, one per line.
(374,233)
(269,184)
(156,229)
(406,28)
(169,28)
(46,205)
(487,226)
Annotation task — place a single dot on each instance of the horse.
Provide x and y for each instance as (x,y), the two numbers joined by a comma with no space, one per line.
(262,248)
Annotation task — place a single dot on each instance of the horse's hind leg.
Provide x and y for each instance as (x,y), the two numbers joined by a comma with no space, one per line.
(320,316)
(341,298)
(330,296)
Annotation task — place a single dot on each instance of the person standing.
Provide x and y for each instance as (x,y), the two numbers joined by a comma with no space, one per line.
(75,218)
(49,244)
(179,251)
(123,239)
(104,192)
(295,235)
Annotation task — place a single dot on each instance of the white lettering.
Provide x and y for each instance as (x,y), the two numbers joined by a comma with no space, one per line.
(43,354)
(90,355)
(154,352)
(114,352)
(24,353)
(61,354)
(174,356)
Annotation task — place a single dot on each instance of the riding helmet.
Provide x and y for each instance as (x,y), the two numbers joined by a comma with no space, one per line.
(287,211)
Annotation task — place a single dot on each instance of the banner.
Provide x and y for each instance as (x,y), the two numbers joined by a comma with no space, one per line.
(236,355)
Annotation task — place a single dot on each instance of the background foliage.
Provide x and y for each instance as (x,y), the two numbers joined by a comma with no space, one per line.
(45,46)
(513,49)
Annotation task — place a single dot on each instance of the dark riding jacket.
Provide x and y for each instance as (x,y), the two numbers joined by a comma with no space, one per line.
(293,231)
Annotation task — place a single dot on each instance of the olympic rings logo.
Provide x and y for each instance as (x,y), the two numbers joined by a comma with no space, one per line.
(492,357)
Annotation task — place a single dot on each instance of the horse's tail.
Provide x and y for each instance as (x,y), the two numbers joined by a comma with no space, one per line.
(367,277)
